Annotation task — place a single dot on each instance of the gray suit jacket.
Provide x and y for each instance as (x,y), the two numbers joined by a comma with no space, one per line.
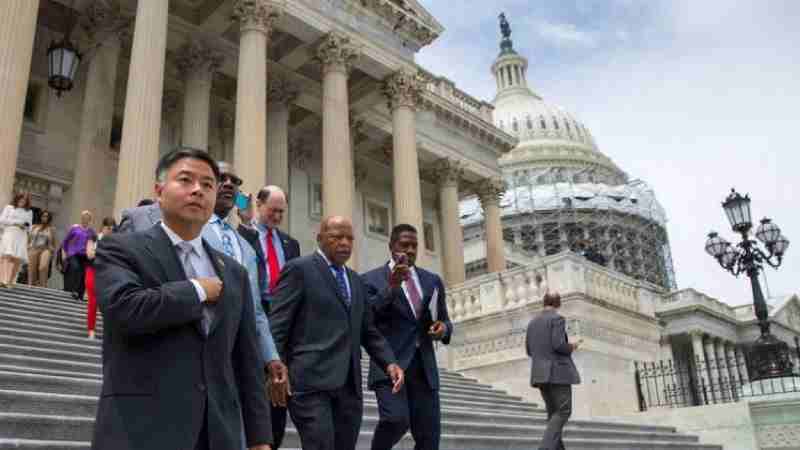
(548,347)
(140,218)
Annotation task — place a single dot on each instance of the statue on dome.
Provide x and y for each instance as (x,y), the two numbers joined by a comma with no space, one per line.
(505,27)
(506,45)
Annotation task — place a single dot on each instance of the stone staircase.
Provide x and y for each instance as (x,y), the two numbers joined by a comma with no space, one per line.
(50,376)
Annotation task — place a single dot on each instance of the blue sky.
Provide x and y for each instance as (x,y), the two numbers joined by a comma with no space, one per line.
(694,97)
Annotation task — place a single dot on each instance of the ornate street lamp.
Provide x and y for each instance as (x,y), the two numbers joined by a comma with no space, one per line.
(767,357)
(63,59)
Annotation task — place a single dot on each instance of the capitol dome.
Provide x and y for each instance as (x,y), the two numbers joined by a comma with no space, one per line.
(562,192)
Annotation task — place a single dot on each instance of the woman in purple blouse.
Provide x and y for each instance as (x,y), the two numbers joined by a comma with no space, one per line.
(73,253)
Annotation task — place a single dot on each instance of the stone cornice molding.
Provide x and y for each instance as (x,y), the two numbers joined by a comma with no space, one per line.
(336,53)
(404,21)
(281,90)
(257,15)
(468,123)
(404,89)
(490,191)
(104,19)
(198,55)
(448,172)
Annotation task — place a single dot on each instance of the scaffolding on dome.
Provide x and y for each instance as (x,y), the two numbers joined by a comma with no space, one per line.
(625,224)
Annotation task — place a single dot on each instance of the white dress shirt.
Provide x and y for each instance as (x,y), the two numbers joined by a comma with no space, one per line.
(414,278)
(199,259)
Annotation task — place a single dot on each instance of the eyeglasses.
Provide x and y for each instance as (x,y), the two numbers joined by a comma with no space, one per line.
(225,177)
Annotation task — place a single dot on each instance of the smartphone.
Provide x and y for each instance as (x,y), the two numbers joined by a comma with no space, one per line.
(401,259)
(242,201)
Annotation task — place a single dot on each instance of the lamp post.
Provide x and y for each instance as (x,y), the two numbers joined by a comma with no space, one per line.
(767,357)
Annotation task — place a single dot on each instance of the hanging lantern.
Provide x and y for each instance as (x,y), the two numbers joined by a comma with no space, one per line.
(63,59)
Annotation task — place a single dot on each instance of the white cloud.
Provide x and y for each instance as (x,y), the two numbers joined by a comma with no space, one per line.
(565,35)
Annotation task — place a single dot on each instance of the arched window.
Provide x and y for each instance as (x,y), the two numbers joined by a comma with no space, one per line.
(542,122)
(529,122)
(515,125)
(555,123)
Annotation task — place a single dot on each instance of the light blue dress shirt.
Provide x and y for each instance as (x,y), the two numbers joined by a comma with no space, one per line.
(199,259)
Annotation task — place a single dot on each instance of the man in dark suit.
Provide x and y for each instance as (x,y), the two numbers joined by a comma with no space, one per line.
(320,320)
(181,363)
(274,248)
(552,369)
(401,295)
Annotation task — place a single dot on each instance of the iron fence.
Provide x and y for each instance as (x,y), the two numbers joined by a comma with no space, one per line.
(675,384)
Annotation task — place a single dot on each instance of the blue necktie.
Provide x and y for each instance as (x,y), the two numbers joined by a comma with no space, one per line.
(341,282)
(227,244)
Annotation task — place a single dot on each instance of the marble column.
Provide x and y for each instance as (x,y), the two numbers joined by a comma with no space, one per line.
(723,368)
(490,191)
(256,20)
(336,54)
(449,173)
(17,31)
(281,93)
(403,91)
(700,366)
(713,370)
(733,369)
(740,358)
(197,60)
(142,124)
(104,27)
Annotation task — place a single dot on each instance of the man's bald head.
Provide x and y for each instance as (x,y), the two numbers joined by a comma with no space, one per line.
(335,239)
(271,205)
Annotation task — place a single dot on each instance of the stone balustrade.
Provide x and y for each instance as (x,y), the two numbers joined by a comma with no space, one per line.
(447,89)
(565,273)
(689,298)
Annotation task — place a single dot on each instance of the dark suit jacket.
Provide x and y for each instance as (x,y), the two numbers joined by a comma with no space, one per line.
(395,320)
(548,347)
(160,372)
(317,335)
(291,250)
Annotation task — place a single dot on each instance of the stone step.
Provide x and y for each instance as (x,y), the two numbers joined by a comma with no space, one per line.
(37,444)
(80,428)
(60,329)
(19,333)
(69,327)
(52,318)
(61,373)
(45,294)
(27,302)
(454,421)
(72,383)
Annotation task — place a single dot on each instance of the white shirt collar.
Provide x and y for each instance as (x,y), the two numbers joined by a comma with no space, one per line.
(197,242)
(327,261)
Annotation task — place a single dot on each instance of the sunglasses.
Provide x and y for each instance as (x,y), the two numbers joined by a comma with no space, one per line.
(225,177)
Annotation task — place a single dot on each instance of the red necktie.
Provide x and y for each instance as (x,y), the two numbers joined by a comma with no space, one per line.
(272,262)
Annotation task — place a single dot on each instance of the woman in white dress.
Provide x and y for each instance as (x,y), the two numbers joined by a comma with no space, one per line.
(15,221)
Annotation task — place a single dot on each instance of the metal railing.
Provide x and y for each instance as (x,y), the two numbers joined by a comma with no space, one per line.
(677,384)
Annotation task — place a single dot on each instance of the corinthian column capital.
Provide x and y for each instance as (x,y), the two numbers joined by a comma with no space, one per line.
(490,190)
(448,172)
(198,55)
(257,15)
(403,88)
(281,90)
(336,53)
(103,19)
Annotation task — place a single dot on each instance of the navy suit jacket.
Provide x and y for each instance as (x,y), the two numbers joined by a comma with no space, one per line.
(291,250)
(395,320)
